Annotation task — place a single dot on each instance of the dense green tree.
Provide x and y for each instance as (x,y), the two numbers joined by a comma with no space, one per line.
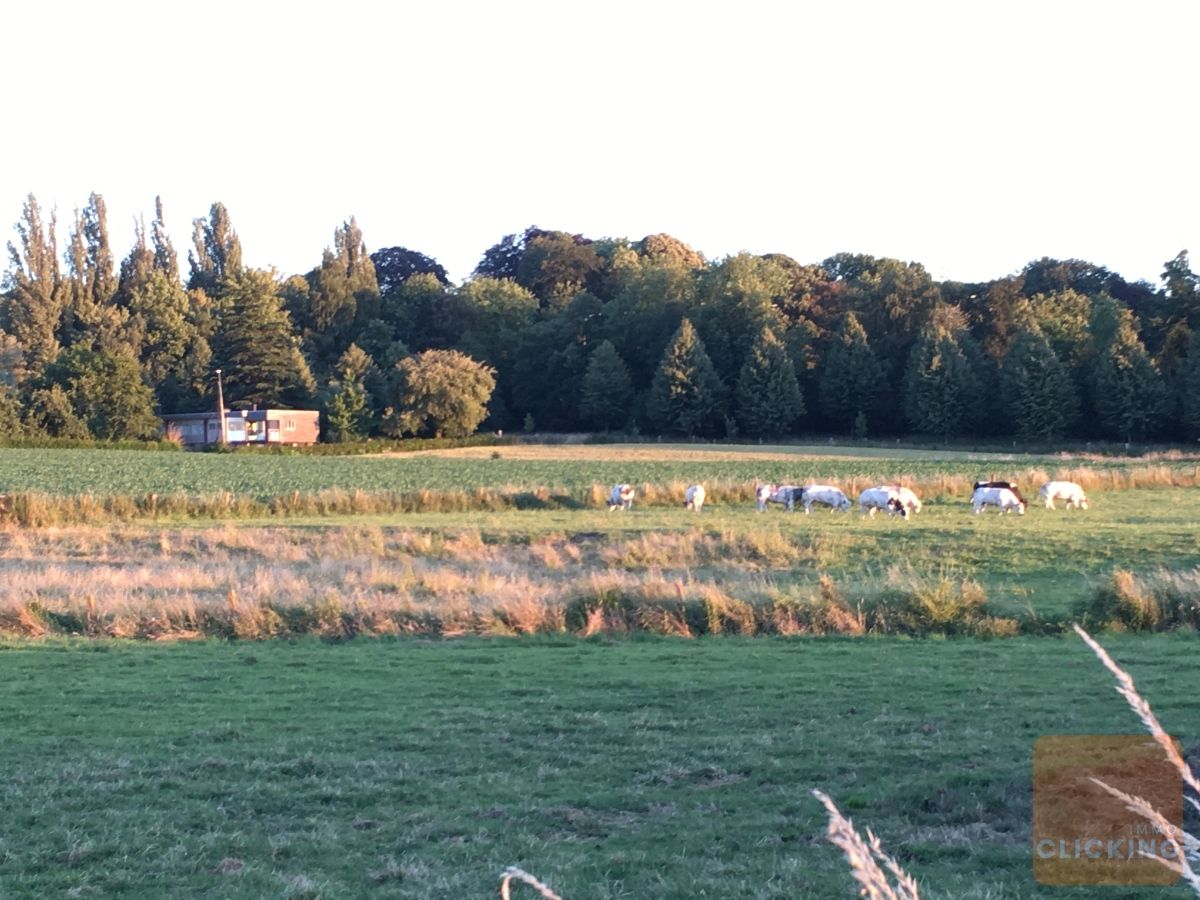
(37,294)
(11,425)
(425,314)
(347,402)
(1129,396)
(687,396)
(769,403)
(50,411)
(1036,389)
(342,292)
(216,253)
(892,299)
(1188,388)
(106,393)
(395,265)
(444,393)
(550,363)
(942,393)
(651,293)
(738,298)
(93,317)
(852,381)
(174,353)
(606,396)
(255,345)
(556,266)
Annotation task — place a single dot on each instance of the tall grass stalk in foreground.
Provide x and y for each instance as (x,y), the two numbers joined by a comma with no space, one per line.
(1185,845)
(512,872)
(865,857)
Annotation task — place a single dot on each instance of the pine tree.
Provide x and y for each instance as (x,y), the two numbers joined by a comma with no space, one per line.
(1128,392)
(769,402)
(686,396)
(852,381)
(607,391)
(255,345)
(1037,389)
(942,392)
(1189,389)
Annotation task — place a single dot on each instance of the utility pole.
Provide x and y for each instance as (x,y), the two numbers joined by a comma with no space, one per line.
(221,411)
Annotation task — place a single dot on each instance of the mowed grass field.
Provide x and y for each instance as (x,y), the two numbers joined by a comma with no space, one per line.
(611,769)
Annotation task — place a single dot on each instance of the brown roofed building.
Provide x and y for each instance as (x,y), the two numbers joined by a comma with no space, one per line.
(245,427)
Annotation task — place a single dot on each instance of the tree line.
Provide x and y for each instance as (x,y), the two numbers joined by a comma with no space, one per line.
(560,332)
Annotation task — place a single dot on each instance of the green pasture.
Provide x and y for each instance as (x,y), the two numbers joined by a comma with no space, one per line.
(638,768)
(1042,562)
(263,476)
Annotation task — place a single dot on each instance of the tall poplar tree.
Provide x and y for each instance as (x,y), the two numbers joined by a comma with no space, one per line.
(769,403)
(687,396)
(216,251)
(36,291)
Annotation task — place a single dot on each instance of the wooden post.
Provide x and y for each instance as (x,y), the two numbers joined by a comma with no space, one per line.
(221,411)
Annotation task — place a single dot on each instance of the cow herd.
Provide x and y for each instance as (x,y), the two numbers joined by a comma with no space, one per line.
(894,499)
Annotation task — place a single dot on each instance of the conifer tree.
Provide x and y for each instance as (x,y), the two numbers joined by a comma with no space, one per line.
(942,392)
(1128,392)
(607,391)
(769,402)
(255,345)
(1189,389)
(1037,389)
(852,380)
(686,396)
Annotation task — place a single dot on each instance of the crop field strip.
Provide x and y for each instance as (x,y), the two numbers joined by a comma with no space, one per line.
(635,768)
(560,470)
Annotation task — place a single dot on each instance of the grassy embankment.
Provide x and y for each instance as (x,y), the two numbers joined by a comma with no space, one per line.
(652,768)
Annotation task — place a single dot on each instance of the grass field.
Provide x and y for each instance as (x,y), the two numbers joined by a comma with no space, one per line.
(649,768)
(632,767)
(561,469)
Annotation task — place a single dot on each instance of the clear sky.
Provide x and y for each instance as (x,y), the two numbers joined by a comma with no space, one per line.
(971,136)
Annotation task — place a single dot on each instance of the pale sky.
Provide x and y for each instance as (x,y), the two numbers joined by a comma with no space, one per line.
(970,136)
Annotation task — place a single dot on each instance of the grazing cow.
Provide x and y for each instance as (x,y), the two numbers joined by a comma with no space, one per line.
(1004,499)
(908,499)
(783,494)
(826,495)
(621,497)
(1007,485)
(693,497)
(1063,490)
(882,497)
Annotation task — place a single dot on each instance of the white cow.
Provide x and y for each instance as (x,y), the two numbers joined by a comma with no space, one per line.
(621,497)
(1064,490)
(1002,498)
(882,497)
(783,494)
(693,497)
(908,499)
(825,494)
